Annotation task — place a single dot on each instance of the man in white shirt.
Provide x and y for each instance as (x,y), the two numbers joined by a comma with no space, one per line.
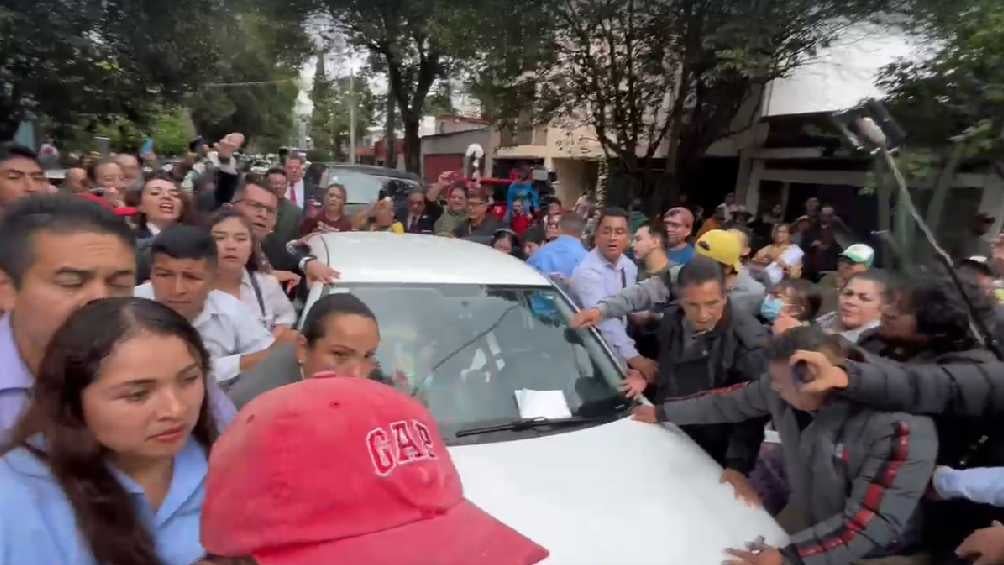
(184,263)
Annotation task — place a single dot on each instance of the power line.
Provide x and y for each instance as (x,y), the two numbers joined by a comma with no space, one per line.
(248,83)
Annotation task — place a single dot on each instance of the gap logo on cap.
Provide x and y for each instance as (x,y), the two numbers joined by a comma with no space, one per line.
(401,443)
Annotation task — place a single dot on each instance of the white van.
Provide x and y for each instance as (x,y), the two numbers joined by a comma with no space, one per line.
(468,330)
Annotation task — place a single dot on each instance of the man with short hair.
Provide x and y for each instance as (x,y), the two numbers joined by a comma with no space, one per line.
(76,180)
(604,272)
(706,342)
(297,192)
(480,227)
(260,205)
(649,247)
(20,174)
(562,255)
(679,223)
(184,265)
(533,242)
(455,213)
(857,475)
(287,223)
(422,213)
(57,253)
(132,171)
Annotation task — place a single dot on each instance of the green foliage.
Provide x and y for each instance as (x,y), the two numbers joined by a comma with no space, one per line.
(263,42)
(329,126)
(415,42)
(647,72)
(959,91)
(172,131)
(77,61)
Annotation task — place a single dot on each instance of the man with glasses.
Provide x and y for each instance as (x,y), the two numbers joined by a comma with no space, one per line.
(260,206)
(20,174)
(479,227)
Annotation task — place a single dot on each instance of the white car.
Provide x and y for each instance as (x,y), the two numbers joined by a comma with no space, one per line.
(468,328)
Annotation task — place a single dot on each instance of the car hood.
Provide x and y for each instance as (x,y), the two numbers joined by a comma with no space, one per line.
(624,492)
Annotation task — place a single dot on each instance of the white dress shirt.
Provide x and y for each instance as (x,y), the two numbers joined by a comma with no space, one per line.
(277,307)
(296,189)
(228,329)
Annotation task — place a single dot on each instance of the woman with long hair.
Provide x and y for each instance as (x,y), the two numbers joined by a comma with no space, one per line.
(240,272)
(162,204)
(332,217)
(107,465)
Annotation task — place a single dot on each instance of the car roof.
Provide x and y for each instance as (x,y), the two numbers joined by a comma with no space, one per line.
(382,257)
(375,171)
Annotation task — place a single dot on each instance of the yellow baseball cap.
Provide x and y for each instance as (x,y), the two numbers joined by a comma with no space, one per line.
(721,246)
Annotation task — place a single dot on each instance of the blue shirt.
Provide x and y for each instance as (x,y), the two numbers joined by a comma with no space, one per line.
(596,279)
(524,191)
(561,256)
(38,524)
(16,382)
(682,256)
(984,485)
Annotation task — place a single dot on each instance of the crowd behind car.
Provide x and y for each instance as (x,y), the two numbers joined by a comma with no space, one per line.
(136,302)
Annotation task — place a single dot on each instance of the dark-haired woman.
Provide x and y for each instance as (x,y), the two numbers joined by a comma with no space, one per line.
(240,275)
(108,463)
(340,334)
(162,204)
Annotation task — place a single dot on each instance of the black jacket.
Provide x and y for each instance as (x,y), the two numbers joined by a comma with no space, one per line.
(426,222)
(731,354)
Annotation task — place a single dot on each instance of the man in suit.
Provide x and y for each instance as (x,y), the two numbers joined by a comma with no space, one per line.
(298,191)
(287,224)
(422,213)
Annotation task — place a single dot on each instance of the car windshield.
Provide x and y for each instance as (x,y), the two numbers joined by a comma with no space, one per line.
(360,187)
(465,350)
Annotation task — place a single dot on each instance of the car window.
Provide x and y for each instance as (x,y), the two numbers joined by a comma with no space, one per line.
(360,188)
(464,350)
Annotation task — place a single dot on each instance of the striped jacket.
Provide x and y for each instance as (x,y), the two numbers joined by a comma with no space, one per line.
(856,474)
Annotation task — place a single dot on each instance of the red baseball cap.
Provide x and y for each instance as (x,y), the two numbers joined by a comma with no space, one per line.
(106,204)
(346,470)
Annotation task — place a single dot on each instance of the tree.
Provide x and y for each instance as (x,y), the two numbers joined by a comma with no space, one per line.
(331,117)
(263,46)
(418,41)
(676,74)
(89,60)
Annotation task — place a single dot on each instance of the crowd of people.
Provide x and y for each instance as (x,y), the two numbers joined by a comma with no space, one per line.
(133,305)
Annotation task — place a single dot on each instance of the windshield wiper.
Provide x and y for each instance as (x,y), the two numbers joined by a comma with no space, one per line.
(522,424)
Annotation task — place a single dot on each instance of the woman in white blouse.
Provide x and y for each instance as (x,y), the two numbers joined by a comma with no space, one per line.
(240,272)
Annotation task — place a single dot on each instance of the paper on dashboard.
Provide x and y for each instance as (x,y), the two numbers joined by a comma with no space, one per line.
(542,404)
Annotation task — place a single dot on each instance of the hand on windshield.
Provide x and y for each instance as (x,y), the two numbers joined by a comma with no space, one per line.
(586,318)
(768,556)
(634,385)
(647,367)
(743,489)
(985,546)
(319,272)
(645,414)
(824,375)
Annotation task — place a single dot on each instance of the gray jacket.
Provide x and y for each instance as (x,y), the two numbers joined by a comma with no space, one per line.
(858,475)
(278,369)
(745,295)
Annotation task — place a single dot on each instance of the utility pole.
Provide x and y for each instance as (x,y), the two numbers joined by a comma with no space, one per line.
(352,115)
